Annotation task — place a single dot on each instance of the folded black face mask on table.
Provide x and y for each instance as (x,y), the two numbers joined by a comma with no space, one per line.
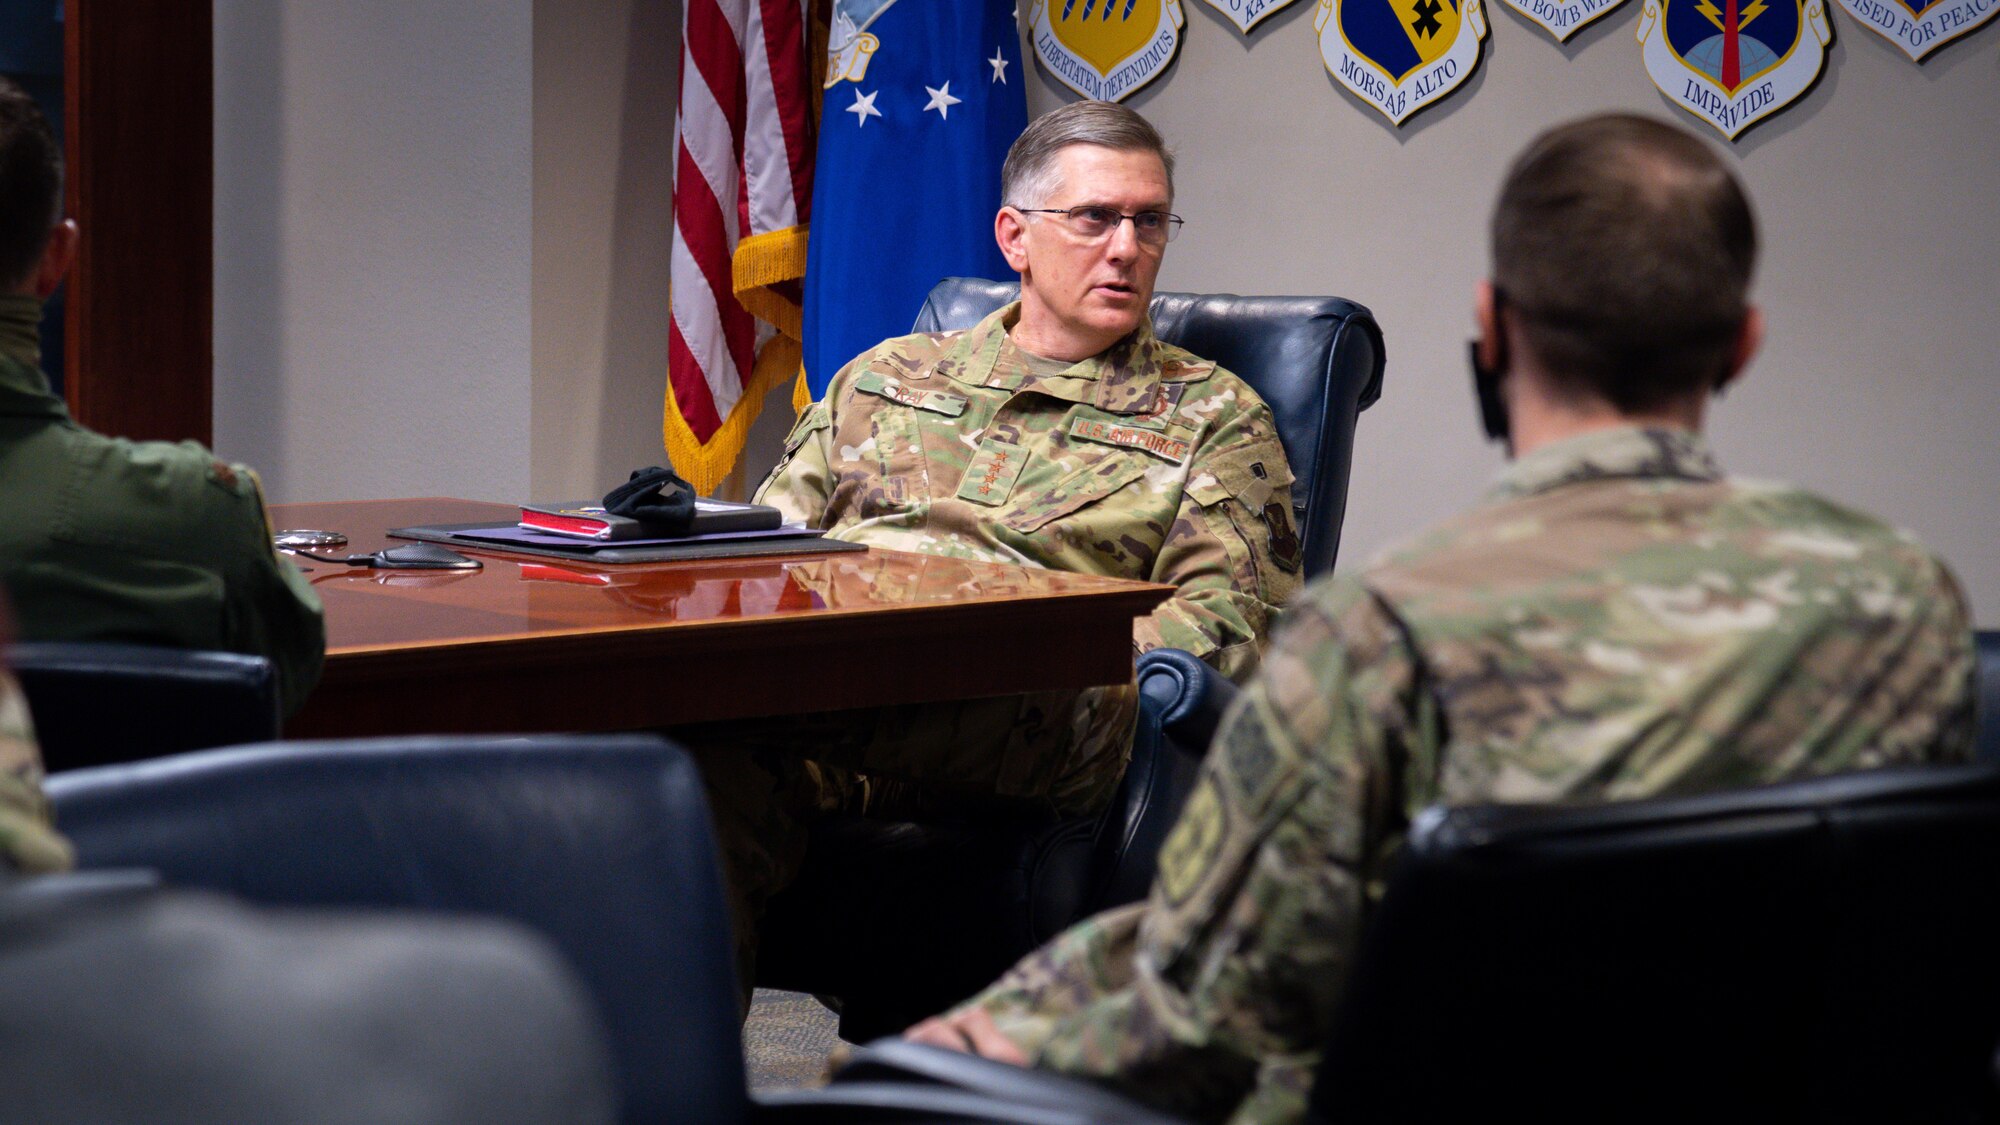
(654,496)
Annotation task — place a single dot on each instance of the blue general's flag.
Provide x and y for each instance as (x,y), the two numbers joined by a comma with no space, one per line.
(925,97)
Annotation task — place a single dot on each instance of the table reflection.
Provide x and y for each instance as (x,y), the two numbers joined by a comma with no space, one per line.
(746,591)
(750,588)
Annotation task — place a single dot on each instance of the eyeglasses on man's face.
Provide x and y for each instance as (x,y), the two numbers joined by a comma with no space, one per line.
(1092,222)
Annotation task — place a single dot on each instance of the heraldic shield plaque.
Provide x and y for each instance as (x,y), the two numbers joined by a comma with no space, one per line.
(1105,49)
(1733,63)
(1246,14)
(1922,26)
(1400,55)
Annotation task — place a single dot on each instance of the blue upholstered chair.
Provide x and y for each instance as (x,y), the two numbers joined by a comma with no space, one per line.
(1818,950)
(600,843)
(901,920)
(97,702)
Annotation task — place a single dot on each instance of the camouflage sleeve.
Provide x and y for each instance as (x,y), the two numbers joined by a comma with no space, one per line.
(1219,988)
(1932,682)
(272,609)
(28,841)
(801,482)
(1233,550)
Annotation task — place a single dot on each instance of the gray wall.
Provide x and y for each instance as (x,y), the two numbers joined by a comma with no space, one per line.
(372,221)
(349,317)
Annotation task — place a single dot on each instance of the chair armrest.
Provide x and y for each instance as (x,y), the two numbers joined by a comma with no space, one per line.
(890,1080)
(1191,696)
(97,702)
(114,884)
(1181,700)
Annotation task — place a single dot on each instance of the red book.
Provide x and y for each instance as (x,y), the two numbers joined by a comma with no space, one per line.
(585,520)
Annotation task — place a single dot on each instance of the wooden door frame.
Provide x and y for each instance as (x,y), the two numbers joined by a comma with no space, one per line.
(139,101)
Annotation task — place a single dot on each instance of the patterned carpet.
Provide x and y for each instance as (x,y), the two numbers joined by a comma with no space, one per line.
(786,1040)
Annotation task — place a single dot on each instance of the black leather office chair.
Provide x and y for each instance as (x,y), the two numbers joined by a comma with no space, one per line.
(600,843)
(1813,951)
(1987,642)
(900,920)
(96,702)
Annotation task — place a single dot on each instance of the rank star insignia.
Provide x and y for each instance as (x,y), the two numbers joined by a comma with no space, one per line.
(990,476)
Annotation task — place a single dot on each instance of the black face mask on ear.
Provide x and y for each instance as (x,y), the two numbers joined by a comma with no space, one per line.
(1486,380)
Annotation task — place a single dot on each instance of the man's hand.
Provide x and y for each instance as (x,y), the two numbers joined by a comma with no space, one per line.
(971,1031)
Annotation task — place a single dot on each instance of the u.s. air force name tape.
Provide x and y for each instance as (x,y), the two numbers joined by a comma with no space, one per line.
(1922,26)
(1400,55)
(1105,49)
(1158,444)
(1733,63)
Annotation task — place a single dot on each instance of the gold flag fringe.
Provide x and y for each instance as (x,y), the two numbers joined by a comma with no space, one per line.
(760,261)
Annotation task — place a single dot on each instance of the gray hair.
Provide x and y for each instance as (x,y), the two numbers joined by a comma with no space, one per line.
(1030,177)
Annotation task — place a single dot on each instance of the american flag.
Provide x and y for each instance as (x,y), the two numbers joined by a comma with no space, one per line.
(742,198)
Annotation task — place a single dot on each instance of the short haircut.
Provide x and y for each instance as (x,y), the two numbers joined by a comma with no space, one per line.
(30,184)
(1625,247)
(1030,177)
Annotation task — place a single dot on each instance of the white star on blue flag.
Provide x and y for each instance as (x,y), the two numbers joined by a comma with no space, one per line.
(941,100)
(863,108)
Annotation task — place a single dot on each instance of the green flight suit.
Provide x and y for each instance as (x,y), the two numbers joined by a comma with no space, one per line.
(103,539)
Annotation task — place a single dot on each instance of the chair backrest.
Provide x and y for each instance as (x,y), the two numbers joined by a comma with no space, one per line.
(1813,951)
(1987,642)
(97,702)
(1317,362)
(600,843)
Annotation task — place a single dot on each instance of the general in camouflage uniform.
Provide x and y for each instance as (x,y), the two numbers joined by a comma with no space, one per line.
(1618,620)
(1129,458)
(1144,462)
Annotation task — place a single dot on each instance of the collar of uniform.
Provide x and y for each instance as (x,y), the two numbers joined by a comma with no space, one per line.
(1124,379)
(1627,451)
(24,392)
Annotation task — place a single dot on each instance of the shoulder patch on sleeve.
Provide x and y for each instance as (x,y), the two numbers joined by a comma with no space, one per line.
(815,417)
(1192,847)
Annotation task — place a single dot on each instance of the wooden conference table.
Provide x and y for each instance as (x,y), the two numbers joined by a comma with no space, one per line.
(539,644)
